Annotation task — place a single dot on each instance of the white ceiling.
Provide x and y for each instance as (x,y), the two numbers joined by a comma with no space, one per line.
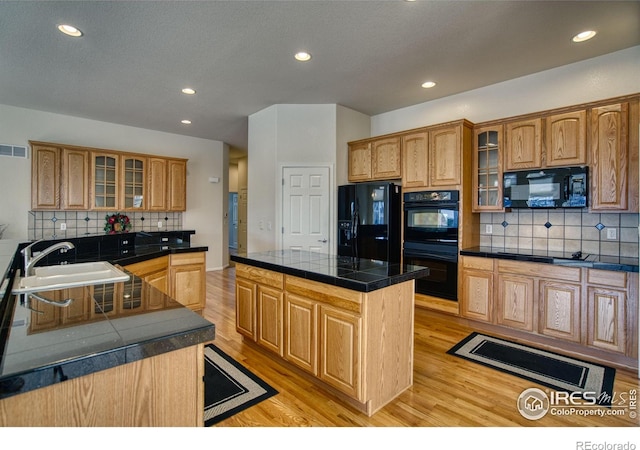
(370,56)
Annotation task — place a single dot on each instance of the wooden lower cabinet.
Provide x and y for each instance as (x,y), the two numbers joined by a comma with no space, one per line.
(187,280)
(156,273)
(340,350)
(606,318)
(476,301)
(358,345)
(582,307)
(181,276)
(269,312)
(246,308)
(612,312)
(560,310)
(301,344)
(515,301)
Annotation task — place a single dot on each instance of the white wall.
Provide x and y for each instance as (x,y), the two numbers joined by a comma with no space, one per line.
(261,179)
(595,79)
(283,135)
(233,177)
(206,202)
(351,126)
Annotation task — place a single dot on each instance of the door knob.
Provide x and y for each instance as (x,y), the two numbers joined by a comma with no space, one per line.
(324,241)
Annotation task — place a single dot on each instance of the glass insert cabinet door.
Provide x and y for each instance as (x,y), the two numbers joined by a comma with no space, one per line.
(105,181)
(488,169)
(133,177)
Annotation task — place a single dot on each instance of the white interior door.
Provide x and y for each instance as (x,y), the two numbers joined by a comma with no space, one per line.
(306,210)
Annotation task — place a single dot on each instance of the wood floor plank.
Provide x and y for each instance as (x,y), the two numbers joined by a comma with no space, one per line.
(447,391)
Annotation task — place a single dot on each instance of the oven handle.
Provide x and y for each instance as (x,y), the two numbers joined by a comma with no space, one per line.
(452,258)
(433,205)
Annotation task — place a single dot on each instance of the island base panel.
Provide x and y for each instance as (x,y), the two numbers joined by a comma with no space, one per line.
(162,391)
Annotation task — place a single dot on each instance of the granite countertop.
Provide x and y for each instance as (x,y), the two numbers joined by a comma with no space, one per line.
(105,325)
(363,275)
(557,258)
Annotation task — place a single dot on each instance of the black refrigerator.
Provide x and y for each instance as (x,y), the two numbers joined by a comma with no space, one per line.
(369,221)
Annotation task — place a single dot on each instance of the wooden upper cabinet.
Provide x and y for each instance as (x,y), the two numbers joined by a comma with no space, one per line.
(45,177)
(360,162)
(523,147)
(177,182)
(609,157)
(487,169)
(415,159)
(386,158)
(133,191)
(157,184)
(445,155)
(105,181)
(67,177)
(566,139)
(75,179)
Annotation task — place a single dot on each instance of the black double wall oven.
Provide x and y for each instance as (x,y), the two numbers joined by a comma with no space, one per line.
(431,240)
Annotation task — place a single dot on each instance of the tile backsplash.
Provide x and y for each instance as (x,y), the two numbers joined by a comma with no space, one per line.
(47,224)
(562,231)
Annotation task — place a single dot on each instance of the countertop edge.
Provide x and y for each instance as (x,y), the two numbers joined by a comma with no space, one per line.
(354,285)
(600,265)
(27,381)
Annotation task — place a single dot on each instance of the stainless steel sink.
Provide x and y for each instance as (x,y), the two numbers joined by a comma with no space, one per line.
(68,276)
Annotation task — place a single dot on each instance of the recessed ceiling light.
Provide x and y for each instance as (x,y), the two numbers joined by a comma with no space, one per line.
(302,56)
(186,121)
(584,36)
(428,84)
(188,91)
(70,30)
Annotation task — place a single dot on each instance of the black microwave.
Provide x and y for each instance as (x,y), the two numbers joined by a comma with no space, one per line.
(559,187)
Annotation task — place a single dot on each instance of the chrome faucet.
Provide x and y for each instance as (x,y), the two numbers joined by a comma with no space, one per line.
(30,260)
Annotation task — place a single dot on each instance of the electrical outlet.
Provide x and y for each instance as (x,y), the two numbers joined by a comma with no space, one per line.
(159,223)
(488,229)
(63,226)
(612,233)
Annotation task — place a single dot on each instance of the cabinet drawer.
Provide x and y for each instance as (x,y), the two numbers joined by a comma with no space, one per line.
(187,258)
(144,268)
(331,295)
(540,270)
(607,278)
(477,263)
(262,276)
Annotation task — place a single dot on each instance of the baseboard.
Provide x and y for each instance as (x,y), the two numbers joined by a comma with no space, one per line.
(437,304)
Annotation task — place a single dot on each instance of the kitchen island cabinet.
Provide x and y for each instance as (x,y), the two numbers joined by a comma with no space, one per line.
(345,323)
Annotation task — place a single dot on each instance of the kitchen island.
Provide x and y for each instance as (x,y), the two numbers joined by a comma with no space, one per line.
(113,354)
(344,323)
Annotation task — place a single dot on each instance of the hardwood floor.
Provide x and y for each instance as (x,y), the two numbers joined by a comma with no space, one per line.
(447,391)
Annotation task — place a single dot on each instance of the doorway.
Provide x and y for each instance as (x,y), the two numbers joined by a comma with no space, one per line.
(233,221)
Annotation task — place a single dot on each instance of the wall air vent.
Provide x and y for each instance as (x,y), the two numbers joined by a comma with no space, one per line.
(16,151)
